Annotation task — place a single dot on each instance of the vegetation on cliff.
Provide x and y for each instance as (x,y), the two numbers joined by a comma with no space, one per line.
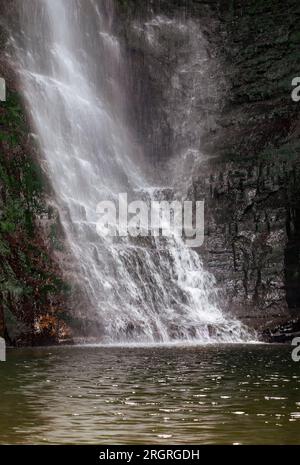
(32,291)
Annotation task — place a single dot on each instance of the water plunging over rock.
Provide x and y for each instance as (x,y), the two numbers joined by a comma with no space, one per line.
(71,66)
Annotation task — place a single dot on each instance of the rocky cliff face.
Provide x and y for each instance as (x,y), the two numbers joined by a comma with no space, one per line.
(215,82)
(252,242)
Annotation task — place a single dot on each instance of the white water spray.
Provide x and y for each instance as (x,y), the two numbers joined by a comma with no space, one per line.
(71,68)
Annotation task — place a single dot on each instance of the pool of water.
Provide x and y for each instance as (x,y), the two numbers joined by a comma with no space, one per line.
(156,395)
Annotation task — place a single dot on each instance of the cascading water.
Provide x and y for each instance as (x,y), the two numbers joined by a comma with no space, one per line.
(149,290)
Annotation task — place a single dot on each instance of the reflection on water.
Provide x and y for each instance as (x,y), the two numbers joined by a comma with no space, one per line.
(196,395)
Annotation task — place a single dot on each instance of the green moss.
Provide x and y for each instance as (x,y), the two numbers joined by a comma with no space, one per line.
(54,238)
(12,120)
(295,37)
(287,152)
(30,284)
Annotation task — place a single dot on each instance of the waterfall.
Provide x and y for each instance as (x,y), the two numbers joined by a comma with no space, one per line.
(141,290)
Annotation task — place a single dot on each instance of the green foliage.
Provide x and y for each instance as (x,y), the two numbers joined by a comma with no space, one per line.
(20,177)
(12,119)
(30,285)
